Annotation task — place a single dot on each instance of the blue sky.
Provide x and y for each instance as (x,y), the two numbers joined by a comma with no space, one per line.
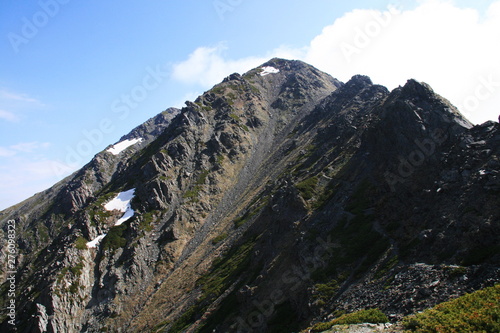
(67,66)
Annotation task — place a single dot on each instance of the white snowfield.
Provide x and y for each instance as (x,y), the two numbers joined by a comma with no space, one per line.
(269,70)
(121,203)
(92,244)
(121,146)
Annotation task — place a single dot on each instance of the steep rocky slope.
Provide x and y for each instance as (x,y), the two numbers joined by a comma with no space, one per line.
(47,218)
(277,199)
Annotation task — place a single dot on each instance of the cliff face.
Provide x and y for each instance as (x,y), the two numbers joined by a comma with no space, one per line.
(275,199)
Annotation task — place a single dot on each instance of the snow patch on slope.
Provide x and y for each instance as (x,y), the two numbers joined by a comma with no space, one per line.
(121,146)
(93,244)
(269,70)
(122,203)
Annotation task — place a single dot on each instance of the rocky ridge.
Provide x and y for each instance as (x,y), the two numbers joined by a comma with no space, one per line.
(273,201)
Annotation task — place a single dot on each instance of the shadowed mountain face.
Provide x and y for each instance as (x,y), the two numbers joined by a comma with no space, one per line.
(277,198)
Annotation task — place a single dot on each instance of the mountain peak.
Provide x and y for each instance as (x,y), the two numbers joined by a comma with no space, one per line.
(281,192)
(359,82)
(285,64)
(432,107)
(361,79)
(416,88)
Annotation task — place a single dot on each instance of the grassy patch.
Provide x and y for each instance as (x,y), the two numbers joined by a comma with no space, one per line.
(114,239)
(241,220)
(160,326)
(98,214)
(360,199)
(307,187)
(303,162)
(254,89)
(328,192)
(219,159)
(456,271)
(309,151)
(480,253)
(325,291)
(202,177)
(77,270)
(360,246)
(475,312)
(193,193)
(74,287)
(219,238)
(386,267)
(358,237)
(218,90)
(81,243)
(226,271)
(226,308)
(244,219)
(62,274)
(249,214)
(374,316)
(147,221)
(187,318)
(43,233)
(222,274)
(238,121)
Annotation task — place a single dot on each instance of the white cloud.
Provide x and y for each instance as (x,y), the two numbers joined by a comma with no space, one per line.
(207,66)
(21,177)
(13,96)
(12,104)
(6,152)
(190,96)
(9,116)
(454,49)
(24,171)
(29,147)
(23,147)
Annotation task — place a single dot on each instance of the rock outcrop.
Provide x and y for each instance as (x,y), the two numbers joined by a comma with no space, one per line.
(273,201)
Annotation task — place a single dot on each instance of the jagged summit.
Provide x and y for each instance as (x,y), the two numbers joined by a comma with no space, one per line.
(284,64)
(276,199)
(417,88)
(361,79)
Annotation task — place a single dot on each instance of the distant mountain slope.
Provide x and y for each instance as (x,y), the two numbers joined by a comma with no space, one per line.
(274,200)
